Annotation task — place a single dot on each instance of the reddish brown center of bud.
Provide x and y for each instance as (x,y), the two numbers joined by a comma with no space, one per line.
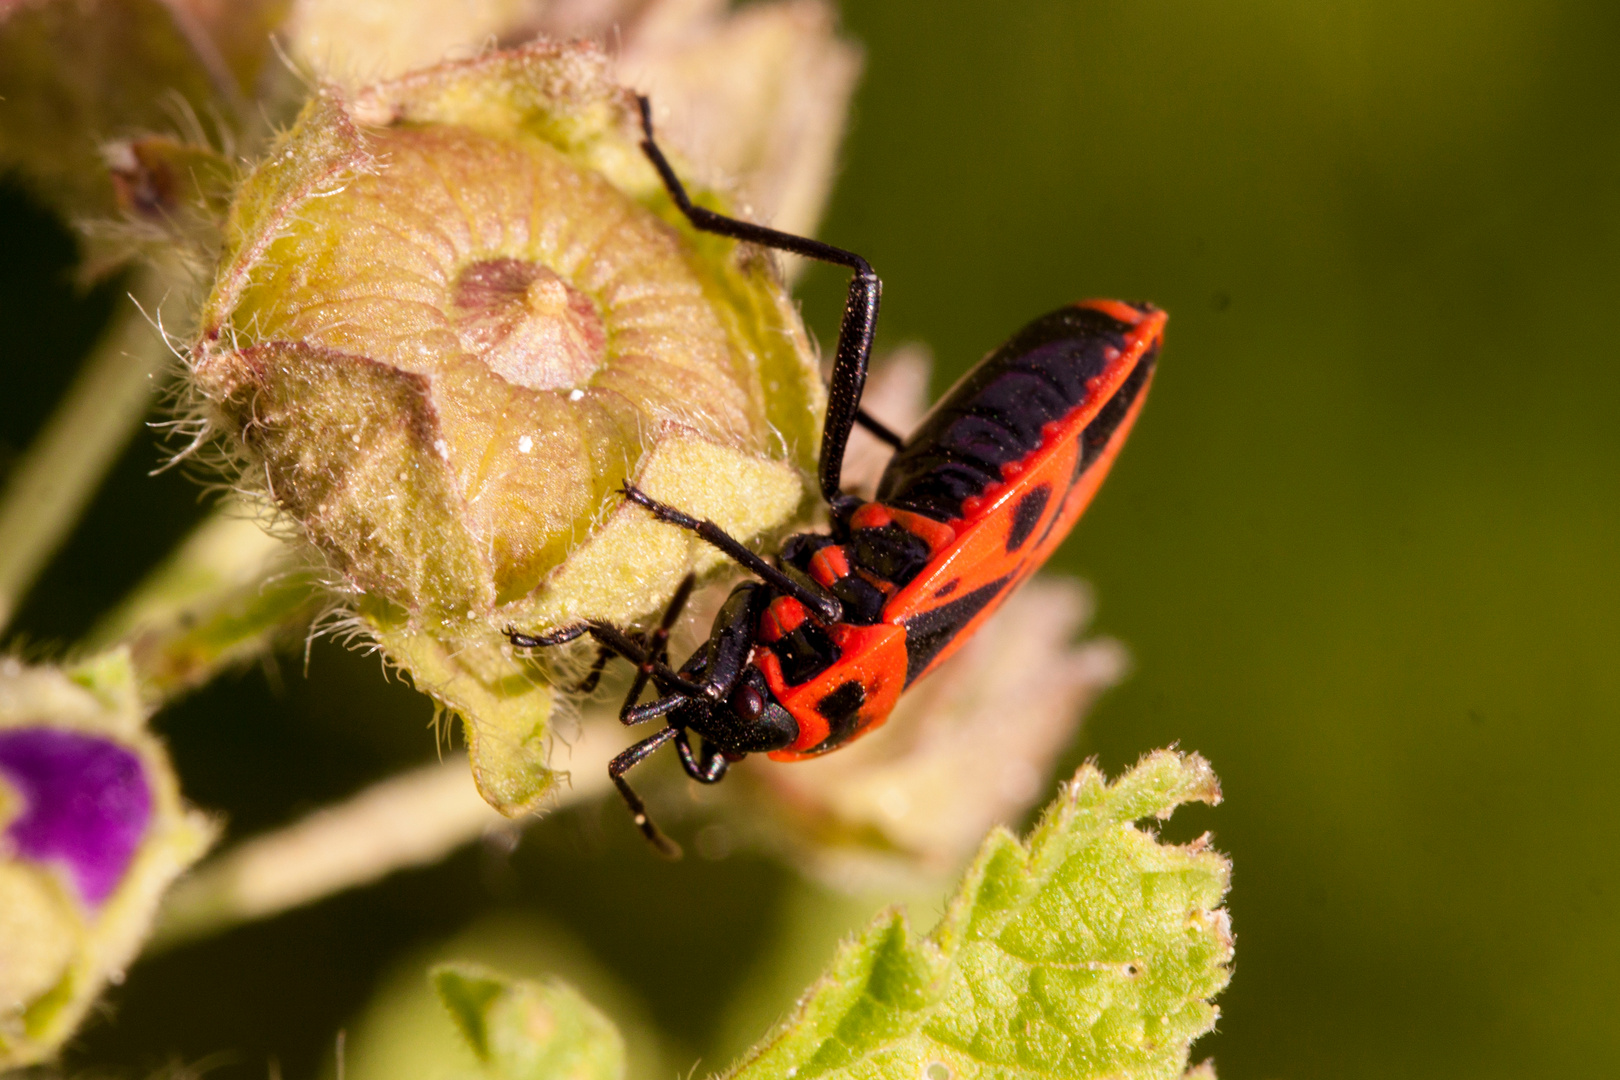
(527,324)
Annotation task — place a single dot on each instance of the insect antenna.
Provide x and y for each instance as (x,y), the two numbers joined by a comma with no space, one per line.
(822,603)
(619,642)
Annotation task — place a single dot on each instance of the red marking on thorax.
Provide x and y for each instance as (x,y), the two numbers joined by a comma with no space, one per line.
(936,534)
(874,656)
(829,565)
(782,617)
(870,516)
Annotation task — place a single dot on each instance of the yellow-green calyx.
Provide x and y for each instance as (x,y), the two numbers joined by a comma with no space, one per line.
(455,312)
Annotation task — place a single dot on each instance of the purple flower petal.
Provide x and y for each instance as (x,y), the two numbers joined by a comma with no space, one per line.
(86,803)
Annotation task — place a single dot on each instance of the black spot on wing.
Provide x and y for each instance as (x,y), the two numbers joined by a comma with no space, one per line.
(842,708)
(1026,515)
(930,631)
(946,589)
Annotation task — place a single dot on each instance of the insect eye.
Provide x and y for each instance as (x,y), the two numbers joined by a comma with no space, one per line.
(748,703)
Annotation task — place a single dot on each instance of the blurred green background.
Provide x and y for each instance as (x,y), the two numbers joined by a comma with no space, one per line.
(1364,546)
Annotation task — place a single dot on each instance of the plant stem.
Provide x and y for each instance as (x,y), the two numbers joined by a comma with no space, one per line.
(227,594)
(413,819)
(48,489)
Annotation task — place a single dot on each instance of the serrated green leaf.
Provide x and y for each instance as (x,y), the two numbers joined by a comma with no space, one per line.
(524,1030)
(1091,950)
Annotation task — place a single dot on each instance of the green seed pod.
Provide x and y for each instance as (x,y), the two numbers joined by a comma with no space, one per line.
(455,312)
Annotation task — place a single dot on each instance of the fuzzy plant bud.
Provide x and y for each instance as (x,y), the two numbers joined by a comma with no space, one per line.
(455,312)
(92,831)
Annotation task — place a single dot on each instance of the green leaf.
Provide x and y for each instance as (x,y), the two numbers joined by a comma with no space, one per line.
(524,1030)
(1092,950)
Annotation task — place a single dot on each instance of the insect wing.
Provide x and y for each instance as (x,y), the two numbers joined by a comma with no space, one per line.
(1012,528)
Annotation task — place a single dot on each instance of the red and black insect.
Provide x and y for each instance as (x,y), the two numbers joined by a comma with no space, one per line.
(817,651)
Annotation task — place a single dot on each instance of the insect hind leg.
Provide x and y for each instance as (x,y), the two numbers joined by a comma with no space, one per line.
(880,431)
(855,332)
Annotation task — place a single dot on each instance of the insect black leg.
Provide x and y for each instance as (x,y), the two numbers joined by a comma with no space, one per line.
(549,638)
(708,766)
(880,431)
(823,604)
(633,714)
(621,643)
(594,676)
(854,333)
(622,764)
(657,646)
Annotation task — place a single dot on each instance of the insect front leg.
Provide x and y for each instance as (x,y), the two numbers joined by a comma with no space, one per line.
(622,764)
(657,650)
(592,677)
(854,349)
(818,600)
(549,638)
(633,714)
(616,641)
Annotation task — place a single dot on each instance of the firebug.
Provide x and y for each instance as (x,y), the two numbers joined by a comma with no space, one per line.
(817,651)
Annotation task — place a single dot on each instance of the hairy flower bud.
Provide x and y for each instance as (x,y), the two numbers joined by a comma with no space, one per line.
(92,830)
(456,311)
